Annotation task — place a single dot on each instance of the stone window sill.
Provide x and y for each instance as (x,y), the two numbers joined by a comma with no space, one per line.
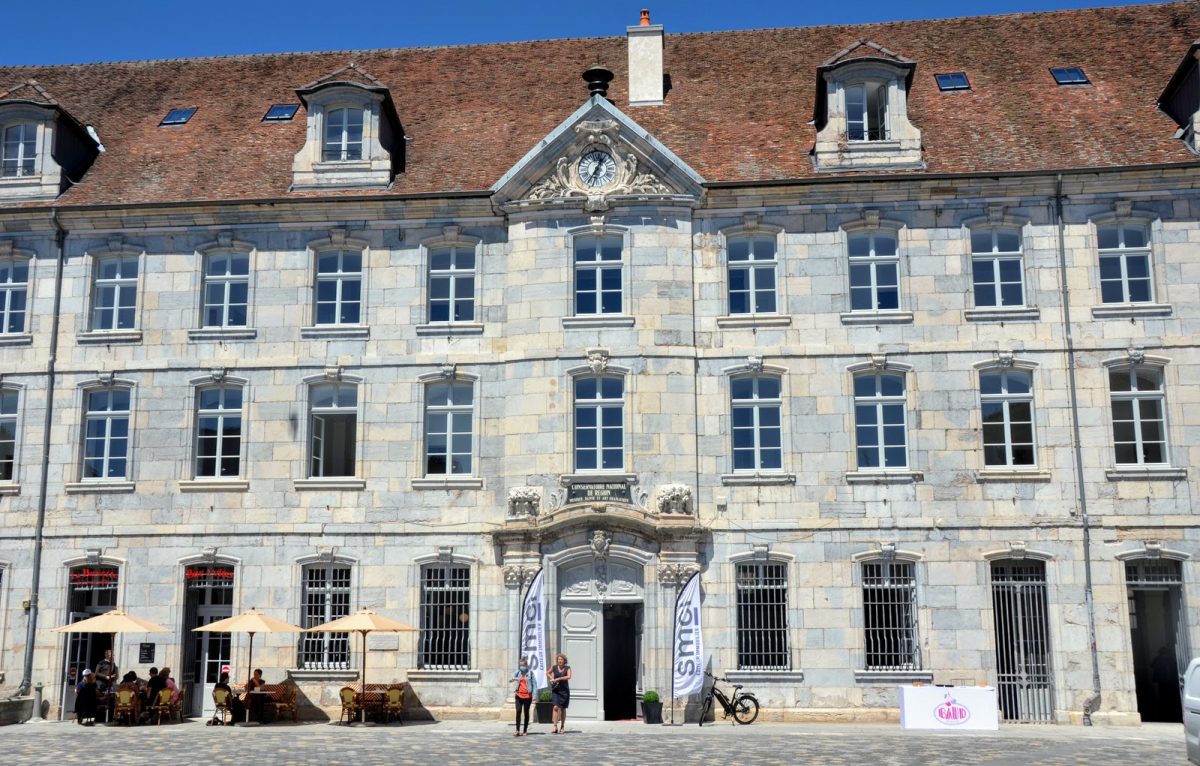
(16,339)
(99,487)
(1135,473)
(892,676)
(450,328)
(336,332)
(471,676)
(884,477)
(347,483)
(10,488)
(754,320)
(331,674)
(214,485)
(448,482)
(1001,314)
(222,333)
(757,478)
(104,337)
(1005,475)
(593,321)
(765,676)
(876,317)
(1131,310)
(567,479)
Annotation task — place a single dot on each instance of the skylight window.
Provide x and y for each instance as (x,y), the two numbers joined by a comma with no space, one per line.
(178,116)
(952,81)
(1069,75)
(280,112)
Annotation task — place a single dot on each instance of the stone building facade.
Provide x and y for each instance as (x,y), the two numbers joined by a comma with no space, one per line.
(913,397)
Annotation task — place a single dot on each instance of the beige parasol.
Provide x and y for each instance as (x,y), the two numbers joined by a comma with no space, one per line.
(250,622)
(115,621)
(363,621)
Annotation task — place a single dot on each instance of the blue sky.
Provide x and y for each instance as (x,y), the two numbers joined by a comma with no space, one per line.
(78,31)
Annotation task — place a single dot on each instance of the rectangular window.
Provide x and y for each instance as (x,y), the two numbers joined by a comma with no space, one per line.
(14,293)
(343,135)
(106,434)
(890,616)
(18,151)
(448,416)
(1139,423)
(326,597)
(333,424)
(997,268)
(599,424)
(226,289)
(752,275)
(339,288)
(757,425)
(880,429)
(452,284)
(1007,400)
(114,294)
(281,112)
(874,271)
(218,432)
(8,434)
(1068,75)
(178,116)
(952,81)
(866,112)
(445,617)
(1124,264)
(598,266)
(762,620)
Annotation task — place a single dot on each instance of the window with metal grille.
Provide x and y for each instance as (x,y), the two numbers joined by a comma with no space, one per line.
(445,617)
(1138,419)
(599,424)
(449,413)
(598,279)
(757,428)
(8,434)
(226,289)
(1020,616)
(326,597)
(1124,264)
(1006,397)
(14,292)
(18,151)
(106,434)
(762,619)
(890,616)
(339,287)
(452,284)
(880,428)
(218,432)
(333,429)
(997,268)
(343,135)
(1153,572)
(752,275)
(874,271)
(114,293)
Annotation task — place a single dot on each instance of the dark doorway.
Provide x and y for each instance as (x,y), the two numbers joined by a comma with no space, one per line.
(621,661)
(1158,636)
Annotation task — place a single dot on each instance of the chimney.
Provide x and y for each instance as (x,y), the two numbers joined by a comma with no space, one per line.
(645,62)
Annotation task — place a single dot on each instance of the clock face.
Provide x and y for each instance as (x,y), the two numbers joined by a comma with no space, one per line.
(597,168)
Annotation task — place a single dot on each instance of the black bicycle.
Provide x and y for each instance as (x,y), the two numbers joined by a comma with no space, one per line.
(743,706)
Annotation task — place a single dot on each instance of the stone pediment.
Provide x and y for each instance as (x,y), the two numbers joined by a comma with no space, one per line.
(596,159)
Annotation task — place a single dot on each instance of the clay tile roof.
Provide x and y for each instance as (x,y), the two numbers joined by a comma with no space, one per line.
(864,49)
(28,92)
(738,110)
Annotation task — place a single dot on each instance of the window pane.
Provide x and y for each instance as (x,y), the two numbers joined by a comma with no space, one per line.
(1135,236)
(1108,237)
(1008,241)
(1147,379)
(1119,380)
(891,385)
(859,245)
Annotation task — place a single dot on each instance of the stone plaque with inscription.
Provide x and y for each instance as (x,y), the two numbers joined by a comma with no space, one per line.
(599,492)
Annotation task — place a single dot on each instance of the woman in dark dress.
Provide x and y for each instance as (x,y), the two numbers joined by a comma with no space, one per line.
(560,691)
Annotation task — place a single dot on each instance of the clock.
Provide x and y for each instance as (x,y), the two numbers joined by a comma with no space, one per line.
(597,168)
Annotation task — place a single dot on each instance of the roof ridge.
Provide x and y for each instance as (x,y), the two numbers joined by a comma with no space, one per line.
(675,35)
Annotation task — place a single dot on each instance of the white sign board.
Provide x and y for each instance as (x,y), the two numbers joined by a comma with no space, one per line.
(965,708)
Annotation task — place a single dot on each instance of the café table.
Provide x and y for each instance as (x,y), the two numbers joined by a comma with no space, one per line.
(257,702)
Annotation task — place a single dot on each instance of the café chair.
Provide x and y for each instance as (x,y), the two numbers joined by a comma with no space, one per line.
(162,705)
(221,705)
(349,704)
(286,702)
(393,703)
(125,705)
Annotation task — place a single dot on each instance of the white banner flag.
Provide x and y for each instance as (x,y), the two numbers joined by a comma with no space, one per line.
(533,633)
(688,657)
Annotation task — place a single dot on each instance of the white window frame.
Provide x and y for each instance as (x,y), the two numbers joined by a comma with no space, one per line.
(450,411)
(325,644)
(11,394)
(226,282)
(880,402)
(785,609)
(996,257)
(598,266)
(876,123)
(755,404)
(459,631)
(1006,400)
(453,276)
(753,267)
(1123,254)
(222,415)
(9,289)
(1136,397)
(108,417)
(124,291)
(599,404)
(25,165)
(874,261)
(317,443)
(340,279)
(343,146)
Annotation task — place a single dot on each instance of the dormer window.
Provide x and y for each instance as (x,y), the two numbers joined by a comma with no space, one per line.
(1181,98)
(343,135)
(866,112)
(18,153)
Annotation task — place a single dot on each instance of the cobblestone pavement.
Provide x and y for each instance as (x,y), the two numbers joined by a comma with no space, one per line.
(487,742)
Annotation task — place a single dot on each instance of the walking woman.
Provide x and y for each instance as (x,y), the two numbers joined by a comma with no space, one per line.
(560,691)
(523,696)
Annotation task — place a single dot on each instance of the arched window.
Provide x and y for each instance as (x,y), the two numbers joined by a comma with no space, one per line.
(8,434)
(18,150)
(445,641)
(1006,398)
(874,270)
(449,415)
(1124,263)
(14,293)
(106,433)
(343,135)
(762,615)
(114,293)
(226,289)
(752,266)
(599,423)
(866,111)
(325,597)
(997,268)
(757,430)
(339,288)
(880,424)
(889,590)
(452,284)
(1138,415)
(333,429)
(219,432)
(598,275)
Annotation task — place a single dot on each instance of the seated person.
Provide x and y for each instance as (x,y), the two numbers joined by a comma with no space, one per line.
(86,699)
(255,702)
(175,690)
(236,709)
